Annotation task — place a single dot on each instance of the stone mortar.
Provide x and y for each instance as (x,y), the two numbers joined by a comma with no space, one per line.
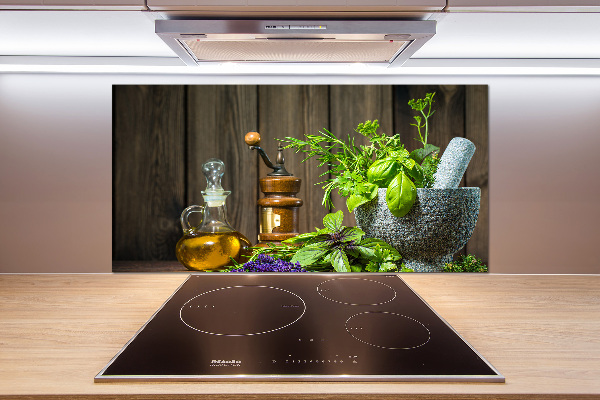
(439,224)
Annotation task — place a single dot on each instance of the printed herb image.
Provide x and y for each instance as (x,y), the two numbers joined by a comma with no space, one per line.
(406,164)
(332,248)
(358,171)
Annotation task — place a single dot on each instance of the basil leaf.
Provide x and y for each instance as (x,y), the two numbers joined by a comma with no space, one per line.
(372,243)
(351,251)
(420,154)
(368,192)
(400,195)
(379,247)
(356,268)
(310,254)
(322,237)
(354,201)
(333,221)
(364,251)
(303,238)
(415,171)
(381,172)
(350,234)
(399,154)
(408,163)
(339,260)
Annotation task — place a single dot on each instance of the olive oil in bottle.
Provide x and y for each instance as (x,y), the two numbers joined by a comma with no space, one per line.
(214,243)
(205,251)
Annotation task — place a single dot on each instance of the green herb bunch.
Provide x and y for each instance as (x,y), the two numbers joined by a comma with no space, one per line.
(427,155)
(347,161)
(343,249)
(358,171)
(468,263)
(420,105)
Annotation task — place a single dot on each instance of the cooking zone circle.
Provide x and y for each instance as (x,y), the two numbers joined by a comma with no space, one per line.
(242,310)
(401,332)
(356,291)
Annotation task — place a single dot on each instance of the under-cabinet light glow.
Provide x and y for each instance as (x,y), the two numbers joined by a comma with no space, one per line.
(412,67)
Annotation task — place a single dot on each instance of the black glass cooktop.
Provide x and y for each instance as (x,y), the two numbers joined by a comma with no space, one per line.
(297,326)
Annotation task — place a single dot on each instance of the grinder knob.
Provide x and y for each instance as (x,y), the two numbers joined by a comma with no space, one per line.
(252,138)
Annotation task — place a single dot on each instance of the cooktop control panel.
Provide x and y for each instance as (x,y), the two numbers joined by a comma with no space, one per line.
(297,326)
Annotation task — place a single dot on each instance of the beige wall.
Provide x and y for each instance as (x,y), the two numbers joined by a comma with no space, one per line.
(55,168)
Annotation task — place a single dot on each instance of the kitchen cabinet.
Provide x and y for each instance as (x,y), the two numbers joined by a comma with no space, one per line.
(299,5)
(523,5)
(74,4)
(539,331)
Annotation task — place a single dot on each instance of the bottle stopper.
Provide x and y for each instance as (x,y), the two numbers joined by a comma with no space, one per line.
(214,195)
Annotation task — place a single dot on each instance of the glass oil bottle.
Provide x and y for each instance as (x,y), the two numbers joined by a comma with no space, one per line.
(211,245)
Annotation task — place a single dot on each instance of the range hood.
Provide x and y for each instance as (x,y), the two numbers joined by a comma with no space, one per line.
(386,42)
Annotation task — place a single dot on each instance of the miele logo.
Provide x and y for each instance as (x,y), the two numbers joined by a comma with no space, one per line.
(225,363)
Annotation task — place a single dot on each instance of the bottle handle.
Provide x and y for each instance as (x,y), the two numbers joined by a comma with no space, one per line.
(185,224)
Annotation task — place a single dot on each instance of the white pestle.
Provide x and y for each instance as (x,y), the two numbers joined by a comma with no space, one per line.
(453,163)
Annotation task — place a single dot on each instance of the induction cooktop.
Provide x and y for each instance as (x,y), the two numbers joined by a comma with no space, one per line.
(297,327)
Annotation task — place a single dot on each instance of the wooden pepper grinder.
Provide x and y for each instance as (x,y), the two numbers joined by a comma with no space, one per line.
(278,210)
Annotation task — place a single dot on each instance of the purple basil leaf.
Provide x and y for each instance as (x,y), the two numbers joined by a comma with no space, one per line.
(349,234)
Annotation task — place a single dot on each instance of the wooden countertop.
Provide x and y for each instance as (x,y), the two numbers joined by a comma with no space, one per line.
(542,332)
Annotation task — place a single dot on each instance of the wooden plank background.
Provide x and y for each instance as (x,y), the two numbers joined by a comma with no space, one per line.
(148,170)
(163,134)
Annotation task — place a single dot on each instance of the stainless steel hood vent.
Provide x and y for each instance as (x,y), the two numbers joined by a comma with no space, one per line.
(386,42)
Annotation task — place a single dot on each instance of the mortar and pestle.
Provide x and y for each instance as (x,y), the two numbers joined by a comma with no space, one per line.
(440,221)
